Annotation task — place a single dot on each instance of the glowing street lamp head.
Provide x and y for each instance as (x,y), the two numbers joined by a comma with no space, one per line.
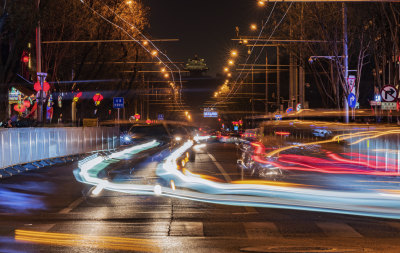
(229,74)
(163,70)
(129,2)
(154,52)
(166,75)
(253,27)
(231,62)
(261,3)
(234,53)
(145,43)
(226,69)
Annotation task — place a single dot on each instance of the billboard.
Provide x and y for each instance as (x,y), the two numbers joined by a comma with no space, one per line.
(210,113)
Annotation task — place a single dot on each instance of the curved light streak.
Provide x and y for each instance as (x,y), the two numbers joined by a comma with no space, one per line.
(197,187)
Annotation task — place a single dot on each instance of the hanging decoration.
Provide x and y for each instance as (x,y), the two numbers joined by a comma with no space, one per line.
(137,116)
(97,99)
(59,101)
(77,96)
(46,86)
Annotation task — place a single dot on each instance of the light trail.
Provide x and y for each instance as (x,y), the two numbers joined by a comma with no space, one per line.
(87,241)
(197,187)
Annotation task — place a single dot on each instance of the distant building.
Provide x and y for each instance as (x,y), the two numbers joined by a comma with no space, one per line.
(196,66)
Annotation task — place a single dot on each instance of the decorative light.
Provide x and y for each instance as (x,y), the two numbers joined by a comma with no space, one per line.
(97,98)
(46,86)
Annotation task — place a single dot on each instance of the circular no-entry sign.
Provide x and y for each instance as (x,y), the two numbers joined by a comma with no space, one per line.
(389,93)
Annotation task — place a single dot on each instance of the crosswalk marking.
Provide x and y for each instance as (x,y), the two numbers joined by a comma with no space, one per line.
(336,229)
(256,230)
(186,229)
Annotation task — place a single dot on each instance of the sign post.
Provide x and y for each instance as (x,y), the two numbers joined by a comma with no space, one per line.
(118,103)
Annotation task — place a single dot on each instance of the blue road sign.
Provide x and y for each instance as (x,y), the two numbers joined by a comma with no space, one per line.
(160,117)
(118,103)
(351,99)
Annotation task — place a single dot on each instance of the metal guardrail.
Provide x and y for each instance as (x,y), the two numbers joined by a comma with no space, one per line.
(25,145)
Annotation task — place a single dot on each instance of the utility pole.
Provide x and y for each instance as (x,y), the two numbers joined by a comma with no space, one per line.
(266,82)
(278,80)
(345,59)
(41,76)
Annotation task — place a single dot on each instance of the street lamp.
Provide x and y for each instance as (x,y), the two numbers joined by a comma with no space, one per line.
(253,27)
(231,62)
(261,3)
(226,69)
(234,53)
(154,52)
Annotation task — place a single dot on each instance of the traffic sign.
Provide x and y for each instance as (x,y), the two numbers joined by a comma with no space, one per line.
(118,103)
(351,81)
(160,117)
(387,106)
(351,99)
(389,93)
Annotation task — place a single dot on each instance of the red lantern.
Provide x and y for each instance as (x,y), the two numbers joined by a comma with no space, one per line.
(97,98)
(25,59)
(148,121)
(137,116)
(27,104)
(46,86)
(77,96)
(19,108)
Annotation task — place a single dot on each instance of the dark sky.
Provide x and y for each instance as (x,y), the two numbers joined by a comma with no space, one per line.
(204,27)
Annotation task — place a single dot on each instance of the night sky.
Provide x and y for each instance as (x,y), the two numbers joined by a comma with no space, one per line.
(204,27)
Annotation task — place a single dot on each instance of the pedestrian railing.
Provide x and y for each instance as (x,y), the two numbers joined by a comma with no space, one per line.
(25,145)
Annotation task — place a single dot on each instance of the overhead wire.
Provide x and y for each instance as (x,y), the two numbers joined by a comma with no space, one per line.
(234,90)
(138,42)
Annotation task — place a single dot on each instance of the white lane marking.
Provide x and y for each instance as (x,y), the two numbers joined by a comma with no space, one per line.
(186,228)
(255,230)
(336,229)
(221,169)
(72,206)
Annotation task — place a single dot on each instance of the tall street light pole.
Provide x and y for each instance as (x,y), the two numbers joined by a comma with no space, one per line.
(345,58)
(41,76)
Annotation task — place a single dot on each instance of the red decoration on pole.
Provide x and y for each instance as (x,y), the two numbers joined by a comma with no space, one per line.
(46,86)
(25,59)
(97,98)
(19,108)
(137,116)
(27,104)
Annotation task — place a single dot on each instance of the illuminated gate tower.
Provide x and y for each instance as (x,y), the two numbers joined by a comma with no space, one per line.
(196,66)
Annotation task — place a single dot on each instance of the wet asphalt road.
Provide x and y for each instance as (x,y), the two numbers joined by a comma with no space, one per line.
(47,210)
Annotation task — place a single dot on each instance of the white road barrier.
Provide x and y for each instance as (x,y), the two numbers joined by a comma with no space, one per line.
(24,145)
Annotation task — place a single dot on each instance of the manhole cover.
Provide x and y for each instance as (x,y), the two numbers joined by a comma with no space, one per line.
(297,249)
